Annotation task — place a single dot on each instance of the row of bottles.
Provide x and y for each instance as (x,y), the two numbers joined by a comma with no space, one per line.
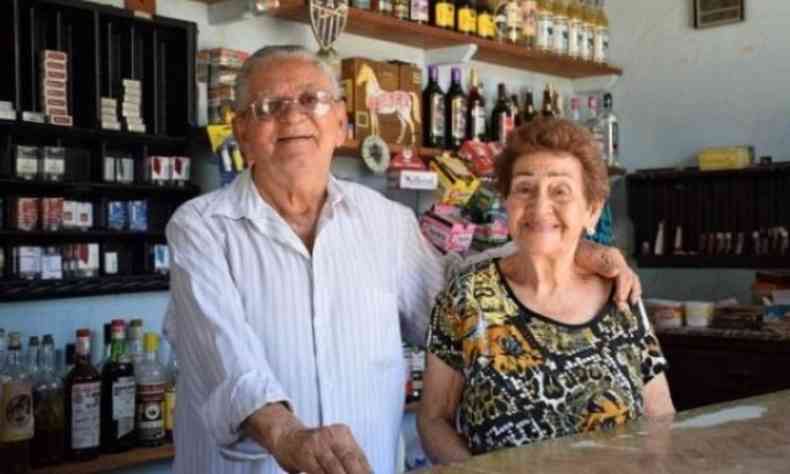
(51,416)
(575,28)
(451,118)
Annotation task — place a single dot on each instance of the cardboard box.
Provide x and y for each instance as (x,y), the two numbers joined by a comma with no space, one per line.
(376,102)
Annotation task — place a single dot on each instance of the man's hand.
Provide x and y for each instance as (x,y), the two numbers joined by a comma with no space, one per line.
(610,263)
(326,450)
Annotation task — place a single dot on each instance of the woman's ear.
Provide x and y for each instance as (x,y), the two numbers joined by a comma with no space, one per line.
(595,214)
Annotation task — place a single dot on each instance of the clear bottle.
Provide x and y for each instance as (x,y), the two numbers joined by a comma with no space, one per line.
(82,388)
(476,116)
(575,36)
(31,359)
(529,22)
(151,384)
(587,44)
(49,440)
(118,395)
(513,22)
(16,408)
(545,34)
(515,110)
(601,41)
(560,38)
(595,124)
(170,394)
(611,132)
(107,346)
(135,341)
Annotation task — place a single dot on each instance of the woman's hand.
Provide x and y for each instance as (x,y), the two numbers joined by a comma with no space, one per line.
(609,262)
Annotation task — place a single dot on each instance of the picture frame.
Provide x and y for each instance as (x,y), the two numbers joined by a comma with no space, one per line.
(711,13)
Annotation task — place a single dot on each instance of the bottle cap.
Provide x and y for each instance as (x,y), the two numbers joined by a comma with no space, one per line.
(83,333)
(14,340)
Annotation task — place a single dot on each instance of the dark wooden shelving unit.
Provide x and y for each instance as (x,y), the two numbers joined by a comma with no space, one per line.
(25,290)
(112,462)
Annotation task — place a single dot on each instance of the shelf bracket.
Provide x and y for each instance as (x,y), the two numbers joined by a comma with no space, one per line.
(590,85)
(461,54)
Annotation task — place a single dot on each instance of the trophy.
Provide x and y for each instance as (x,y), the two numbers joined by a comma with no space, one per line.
(328,20)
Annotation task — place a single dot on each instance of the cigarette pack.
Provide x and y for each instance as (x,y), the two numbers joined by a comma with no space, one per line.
(85,215)
(181,169)
(61,120)
(53,84)
(6,114)
(70,213)
(36,117)
(27,213)
(457,183)
(116,215)
(109,102)
(412,179)
(51,264)
(50,65)
(124,170)
(52,213)
(111,126)
(136,128)
(138,216)
(27,262)
(110,263)
(158,169)
(446,229)
(109,168)
(50,54)
(27,162)
(53,163)
(56,111)
(55,102)
(55,74)
(6,105)
(131,84)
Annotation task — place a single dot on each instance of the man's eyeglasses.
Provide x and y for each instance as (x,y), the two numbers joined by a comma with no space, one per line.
(316,104)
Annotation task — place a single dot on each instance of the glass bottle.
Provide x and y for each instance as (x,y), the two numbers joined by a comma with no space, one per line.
(514,110)
(455,108)
(545,34)
(31,359)
(486,28)
(588,32)
(575,23)
(595,124)
(513,21)
(68,359)
(547,109)
(400,9)
(576,116)
(529,22)
(476,116)
(601,42)
(49,440)
(107,347)
(170,394)
(118,392)
(151,383)
(434,117)
(501,116)
(560,45)
(443,12)
(418,11)
(611,132)
(529,107)
(466,16)
(83,403)
(16,410)
(135,339)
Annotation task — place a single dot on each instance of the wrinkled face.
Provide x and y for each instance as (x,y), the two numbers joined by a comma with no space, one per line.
(547,209)
(293,143)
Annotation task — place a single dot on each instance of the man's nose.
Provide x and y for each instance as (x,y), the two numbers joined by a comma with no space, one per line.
(291,112)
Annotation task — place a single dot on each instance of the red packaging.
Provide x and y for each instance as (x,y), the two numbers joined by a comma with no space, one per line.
(51,213)
(27,213)
(51,54)
(479,156)
(54,65)
(58,75)
(62,120)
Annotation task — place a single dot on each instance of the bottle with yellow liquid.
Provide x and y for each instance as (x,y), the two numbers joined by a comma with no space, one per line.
(588,31)
(561,28)
(545,25)
(601,42)
(443,14)
(466,16)
(574,28)
(486,27)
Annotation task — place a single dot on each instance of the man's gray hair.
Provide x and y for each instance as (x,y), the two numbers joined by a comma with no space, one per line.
(268,53)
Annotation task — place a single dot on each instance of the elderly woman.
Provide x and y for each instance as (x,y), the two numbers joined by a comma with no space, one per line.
(531,347)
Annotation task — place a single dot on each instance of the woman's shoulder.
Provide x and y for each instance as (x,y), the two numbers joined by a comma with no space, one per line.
(483,272)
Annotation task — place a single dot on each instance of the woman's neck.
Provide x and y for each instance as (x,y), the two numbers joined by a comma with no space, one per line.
(542,276)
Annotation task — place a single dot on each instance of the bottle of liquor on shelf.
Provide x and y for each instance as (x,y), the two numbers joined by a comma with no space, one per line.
(83,403)
(595,124)
(545,34)
(135,341)
(515,110)
(384,7)
(575,36)
(16,407)
(31,359)
(588,31)
(418,11)
(400,9)
(68,359)
(476,116)
(513,21)
(434,115)
(455,107)
(529,24)
(49,440)
(601,42)
(466,16)
(557,103)
(502,116)
(443,14)
(576,114)
(560,28)
(151,384)
(117,396)
(170,394)
(486,27)
(547,109)
(529,112)
(611,132)
(107,346)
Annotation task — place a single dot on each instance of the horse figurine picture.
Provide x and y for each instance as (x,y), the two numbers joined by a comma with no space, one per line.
(379,102)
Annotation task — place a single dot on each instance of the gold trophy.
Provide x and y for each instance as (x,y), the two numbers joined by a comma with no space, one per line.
(328,19)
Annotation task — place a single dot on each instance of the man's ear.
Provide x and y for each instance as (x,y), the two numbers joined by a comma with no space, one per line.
(240,125)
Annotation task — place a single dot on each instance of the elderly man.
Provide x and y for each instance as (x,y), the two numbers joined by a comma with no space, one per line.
(292,291)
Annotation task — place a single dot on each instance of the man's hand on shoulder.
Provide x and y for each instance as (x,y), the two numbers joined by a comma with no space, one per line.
(325,450)
(610,263)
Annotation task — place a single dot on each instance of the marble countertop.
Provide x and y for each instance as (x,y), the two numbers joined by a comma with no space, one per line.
(749,436)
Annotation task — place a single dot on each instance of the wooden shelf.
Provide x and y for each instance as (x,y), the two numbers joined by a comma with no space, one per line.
(387,28)
(351,149)
(112,462)
(712,261)
(23,290)
(78,234)
(90,135)
(23,185)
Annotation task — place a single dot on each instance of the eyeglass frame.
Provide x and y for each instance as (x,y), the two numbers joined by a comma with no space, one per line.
(328,100)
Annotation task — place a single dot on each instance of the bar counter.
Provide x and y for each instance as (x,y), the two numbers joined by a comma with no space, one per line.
(749,436)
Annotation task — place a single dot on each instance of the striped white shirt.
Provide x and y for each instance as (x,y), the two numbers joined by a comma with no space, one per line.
(256,318)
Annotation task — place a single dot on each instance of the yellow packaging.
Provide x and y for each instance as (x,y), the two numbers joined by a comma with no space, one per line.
(725,158)
(485,25)
(467,20)
(445,15)
(456,183)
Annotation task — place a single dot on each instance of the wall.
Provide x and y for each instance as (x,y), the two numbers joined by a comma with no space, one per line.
(685,89)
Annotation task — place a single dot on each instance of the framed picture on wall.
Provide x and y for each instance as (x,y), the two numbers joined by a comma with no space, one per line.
(709,13)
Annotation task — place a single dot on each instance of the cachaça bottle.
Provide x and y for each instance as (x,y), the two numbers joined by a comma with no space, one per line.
(83,403)
(49,440)
(151,385)
(16,410)
(118,395)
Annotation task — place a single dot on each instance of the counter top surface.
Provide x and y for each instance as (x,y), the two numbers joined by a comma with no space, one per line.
(771,331)
(746,436)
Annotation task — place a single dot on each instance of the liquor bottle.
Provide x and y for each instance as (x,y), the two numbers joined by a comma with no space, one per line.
(514,110)
(107,346)
(170,394)
(68,359)
(501,117)
(16,408)
(83,403)
(117,396)
(418,11)
(443,14)
(49,440)
(545,34)
(595,124)
(560,11)
(135,340)
(476,116)
(151,383)
(31,359)
(547,110)
(601,42)
(466,16)
(576,116)
(400,9)
(513,21)
(434,116)
(486,28)
(529,23)
(611,132)
(455,109)
(529,107)
(588,32)
(384,7)
(557,104)
(575,23)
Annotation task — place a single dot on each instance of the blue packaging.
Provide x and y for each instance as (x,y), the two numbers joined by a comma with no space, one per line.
(116,215)
(138,215)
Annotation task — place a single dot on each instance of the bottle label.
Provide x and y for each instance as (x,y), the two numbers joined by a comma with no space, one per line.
(150,412)
(123,392)
(505,127)
(54,166)
(458,118)
(478,117)
(545,27)
(485,25)
(467,20)
(437,116)
(419,10)
(529,18)
(574,37)
(26,166)
(85,413)
(560,36)
(445,15)
(170,408)
(16,411)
